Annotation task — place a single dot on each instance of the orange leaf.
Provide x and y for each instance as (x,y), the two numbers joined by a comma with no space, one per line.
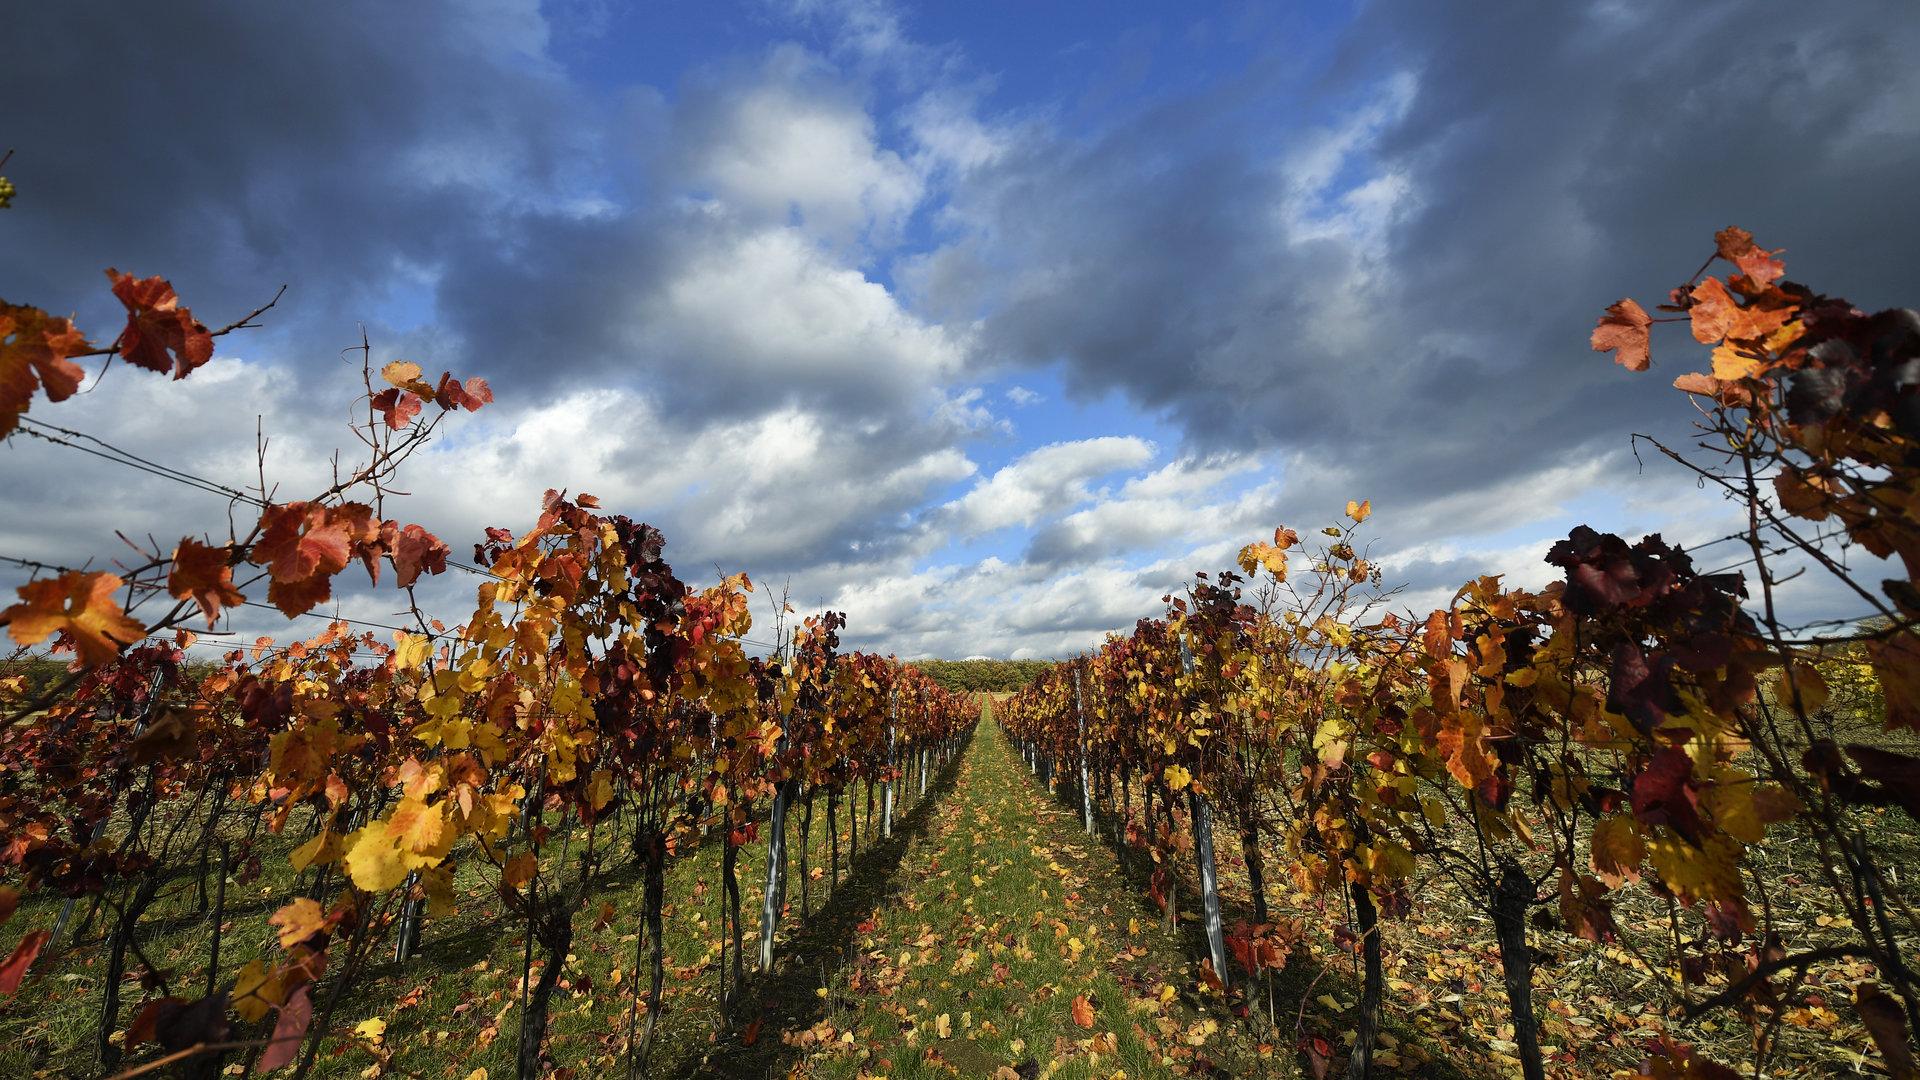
(15,967)
(1759,268)
(1624,329)
(1713,311)
(79,603)
(1897,663)
(157,325)
(415,549)
(34,347)
(1082,1011)
(299,921)
(303,545)
(204,573)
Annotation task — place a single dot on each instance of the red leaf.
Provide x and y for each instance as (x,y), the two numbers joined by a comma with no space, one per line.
(1624,328)
(1759,268)
(415,549)
(1713,311)
(204,573)
(752,1034)
(34,347)
(303,545)
(15,967)
(397,407)
(157,325)
(288,1031)
(452,394)
(1665,794)
(146,1023)
(1887,1025)
(1897,662)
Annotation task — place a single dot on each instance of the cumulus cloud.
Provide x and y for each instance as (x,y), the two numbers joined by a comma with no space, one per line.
(756,301)
(1042,482)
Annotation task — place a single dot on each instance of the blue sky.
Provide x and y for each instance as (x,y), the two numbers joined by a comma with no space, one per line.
(986,323)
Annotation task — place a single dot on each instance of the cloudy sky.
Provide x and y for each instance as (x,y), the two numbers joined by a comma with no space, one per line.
(985,322)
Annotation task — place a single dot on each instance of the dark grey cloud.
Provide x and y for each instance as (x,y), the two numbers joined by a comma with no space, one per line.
(235,146)
(434,171)
(1533,163)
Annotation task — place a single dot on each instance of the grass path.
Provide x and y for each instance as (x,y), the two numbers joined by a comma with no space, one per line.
(1011,946)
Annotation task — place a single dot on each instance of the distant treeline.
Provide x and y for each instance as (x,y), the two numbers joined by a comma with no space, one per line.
(988,675)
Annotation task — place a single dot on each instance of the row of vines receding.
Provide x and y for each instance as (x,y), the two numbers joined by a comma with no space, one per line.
(592,718)
(1640,733)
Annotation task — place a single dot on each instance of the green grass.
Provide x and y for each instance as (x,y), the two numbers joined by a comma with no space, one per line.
(1005,913)
(453,1008)
(990,907)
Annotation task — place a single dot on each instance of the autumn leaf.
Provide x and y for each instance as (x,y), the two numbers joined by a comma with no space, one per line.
(205,574)
(373,862)
(1272,557)
(416,550)
(1624,329)
(415,826)
(1713,311)
(1178,777)
(410,650)
(471,395)
(299,921)
(257,990)
(80,604)
(1886,1023)
(1759,268)
(158,326)
(1437,638)
(34,347)
(1082,1011)
(405,375)
(322,849)
(303,545)
(520,869)
(1359,511)
(289,1031)
(1896,661)
(14,968)
(1617,850)
(397,407)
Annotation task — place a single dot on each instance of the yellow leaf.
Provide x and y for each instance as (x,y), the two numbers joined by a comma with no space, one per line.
(374,864)
(321,849)
(1698,874)
(373,1030)
(1359,511)
(256,991)
(1178,777)
(410,650)
(405,374)
(1617,850)
(416,827)
(298,921)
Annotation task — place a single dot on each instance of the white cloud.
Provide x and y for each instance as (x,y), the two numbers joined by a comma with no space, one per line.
(796,144)
(1024,397)
(1043,482)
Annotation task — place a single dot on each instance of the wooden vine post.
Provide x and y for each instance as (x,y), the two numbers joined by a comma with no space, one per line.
(1202,812)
